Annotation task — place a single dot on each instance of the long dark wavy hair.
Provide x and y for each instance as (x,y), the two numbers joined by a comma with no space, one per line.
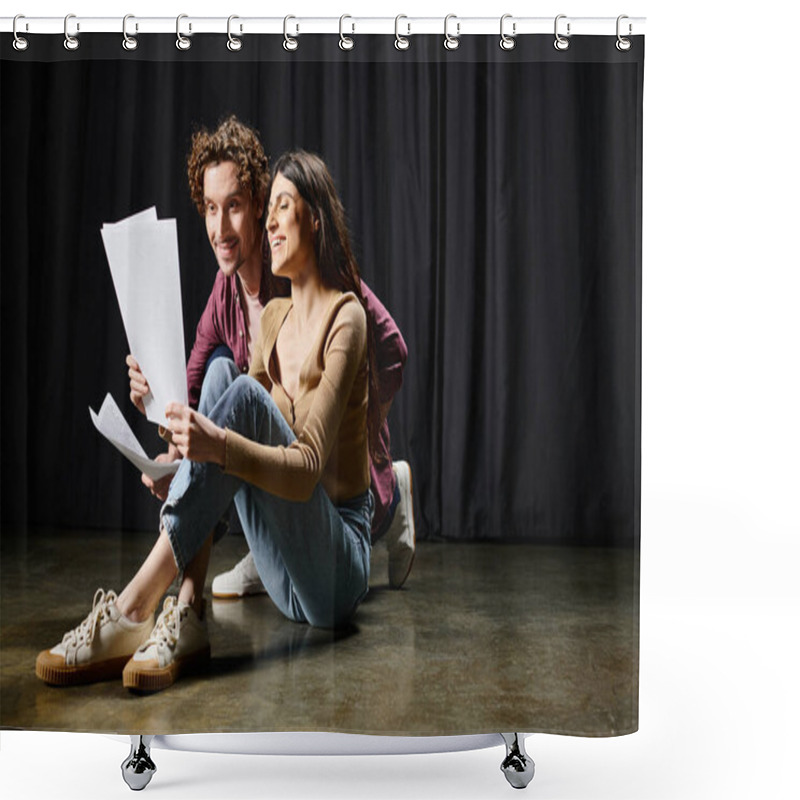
(335,260)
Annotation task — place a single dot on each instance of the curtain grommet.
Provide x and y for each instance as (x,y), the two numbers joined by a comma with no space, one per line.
(289,42)
(234,44)
(346,42)
(71,42)
(451,42)
(623,44)
(401,42)
(129,42)
(507,42)
(20,42)
(182,42)
(561,43)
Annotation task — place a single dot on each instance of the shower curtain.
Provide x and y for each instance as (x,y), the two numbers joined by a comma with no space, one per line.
(493,198)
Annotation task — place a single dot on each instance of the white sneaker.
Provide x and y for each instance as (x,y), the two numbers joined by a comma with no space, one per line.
(97,649)
(178,643)
(242,580)
(401,538)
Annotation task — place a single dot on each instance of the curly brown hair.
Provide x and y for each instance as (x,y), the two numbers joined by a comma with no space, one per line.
(231,141)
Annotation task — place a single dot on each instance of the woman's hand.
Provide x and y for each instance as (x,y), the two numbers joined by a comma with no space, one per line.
(196,437)
(160,488)
(139,385)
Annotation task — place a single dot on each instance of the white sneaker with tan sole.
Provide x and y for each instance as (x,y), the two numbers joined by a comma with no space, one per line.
(177,645)
(240,581)
(401,538)
(98,649)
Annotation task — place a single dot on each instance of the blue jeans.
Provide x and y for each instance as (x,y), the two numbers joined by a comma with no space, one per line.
(313,557)
(220,351)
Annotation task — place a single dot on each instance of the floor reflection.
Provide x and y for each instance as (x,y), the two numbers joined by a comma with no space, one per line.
(484,637)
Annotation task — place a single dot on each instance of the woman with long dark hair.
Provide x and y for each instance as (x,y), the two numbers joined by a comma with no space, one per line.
(289,444)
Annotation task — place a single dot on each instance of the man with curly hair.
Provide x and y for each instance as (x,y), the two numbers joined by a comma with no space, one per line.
(228,180)
(228,177)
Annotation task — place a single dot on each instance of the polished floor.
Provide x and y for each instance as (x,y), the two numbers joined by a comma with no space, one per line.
(483,638)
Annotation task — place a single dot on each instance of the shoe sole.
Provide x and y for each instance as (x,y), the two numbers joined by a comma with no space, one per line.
(399,584)
(236,595)
(154,680)
(64,675)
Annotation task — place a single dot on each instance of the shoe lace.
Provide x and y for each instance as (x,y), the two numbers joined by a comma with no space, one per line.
(168,626)
(83,634)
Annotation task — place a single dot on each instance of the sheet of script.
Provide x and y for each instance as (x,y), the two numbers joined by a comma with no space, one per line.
(142,254)
(114,427)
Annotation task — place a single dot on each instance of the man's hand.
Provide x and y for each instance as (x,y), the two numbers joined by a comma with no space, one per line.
(139,385)
(196,437)
(160,488)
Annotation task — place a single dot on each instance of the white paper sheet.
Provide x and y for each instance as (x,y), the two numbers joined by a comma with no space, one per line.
(113,426)
(149,214)
(142,254)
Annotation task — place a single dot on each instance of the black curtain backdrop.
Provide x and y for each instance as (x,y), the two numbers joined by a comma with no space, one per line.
(495,203)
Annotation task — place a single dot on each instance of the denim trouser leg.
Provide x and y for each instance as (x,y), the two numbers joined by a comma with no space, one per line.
(221,372)
(216,380)
(220,351)
(313,557)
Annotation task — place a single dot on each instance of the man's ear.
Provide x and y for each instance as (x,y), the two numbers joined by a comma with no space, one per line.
(260,203)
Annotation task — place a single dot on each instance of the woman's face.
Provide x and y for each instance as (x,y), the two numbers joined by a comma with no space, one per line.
(290,229)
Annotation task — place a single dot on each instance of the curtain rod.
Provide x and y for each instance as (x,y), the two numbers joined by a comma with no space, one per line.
(346,25)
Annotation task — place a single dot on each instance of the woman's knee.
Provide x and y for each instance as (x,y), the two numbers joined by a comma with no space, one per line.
(220,374)
(243,407)
(220,351)
(221,371)
(246,391)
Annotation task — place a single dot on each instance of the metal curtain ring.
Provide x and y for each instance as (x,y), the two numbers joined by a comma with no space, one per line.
(182,42)
(401,42)
(234,43)
(70,42)
(346,42)
(288,42)
(451,42)
(561,43)
(623,44)
(20,42)
(129,42)
(507,42)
